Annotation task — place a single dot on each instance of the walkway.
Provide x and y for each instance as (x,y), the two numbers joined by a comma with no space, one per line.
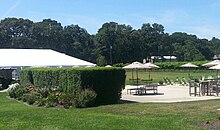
(170,93)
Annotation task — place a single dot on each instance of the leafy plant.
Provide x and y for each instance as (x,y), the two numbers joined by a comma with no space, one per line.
(85,98)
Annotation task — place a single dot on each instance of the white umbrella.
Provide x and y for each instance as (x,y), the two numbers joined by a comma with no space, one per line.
(135,65)
(212,63)
(216,67)
(189,65)
(108,66)
(151,66)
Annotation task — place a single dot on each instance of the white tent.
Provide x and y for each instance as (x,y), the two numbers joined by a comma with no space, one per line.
(39,58)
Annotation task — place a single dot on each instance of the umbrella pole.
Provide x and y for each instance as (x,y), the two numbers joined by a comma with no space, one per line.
(137,77)
(189,73)
(149,75)
(132,75)
(137,92)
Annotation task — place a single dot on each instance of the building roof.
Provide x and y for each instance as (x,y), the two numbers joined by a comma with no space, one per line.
(165,57)
(38,58)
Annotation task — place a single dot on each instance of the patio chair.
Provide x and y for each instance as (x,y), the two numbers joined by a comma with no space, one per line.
(194,88)
(184,81)
(151,87)
(166,81)
(214,87)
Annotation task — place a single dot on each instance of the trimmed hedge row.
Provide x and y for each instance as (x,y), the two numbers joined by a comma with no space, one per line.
(106,82)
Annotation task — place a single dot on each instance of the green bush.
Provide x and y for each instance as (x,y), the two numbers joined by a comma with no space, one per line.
(31,98)
(176,65)
(85,98)
(41,101)
(66,99)
(106,82)
(17,92)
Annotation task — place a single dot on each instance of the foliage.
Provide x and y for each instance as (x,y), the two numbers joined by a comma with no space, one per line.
(101,61)
(159,75)
(17,92)
(117,43)
(176,65)
(106,82)
(85,98)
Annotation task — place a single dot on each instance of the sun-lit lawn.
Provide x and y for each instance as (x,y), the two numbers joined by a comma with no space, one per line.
(134,116)
(160,75)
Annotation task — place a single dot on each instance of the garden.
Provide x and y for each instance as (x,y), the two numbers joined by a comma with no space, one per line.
(53,99)
(127,115)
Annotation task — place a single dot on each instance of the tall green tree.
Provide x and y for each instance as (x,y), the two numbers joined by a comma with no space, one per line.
(16,33)
(48,34)
(78,42)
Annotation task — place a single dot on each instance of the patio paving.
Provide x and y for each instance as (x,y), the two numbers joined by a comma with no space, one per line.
(169,93)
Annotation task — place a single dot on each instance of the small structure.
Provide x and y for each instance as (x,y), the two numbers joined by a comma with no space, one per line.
(164,58)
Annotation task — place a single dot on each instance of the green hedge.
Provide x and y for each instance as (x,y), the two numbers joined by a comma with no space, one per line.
(106,82)
(176,65)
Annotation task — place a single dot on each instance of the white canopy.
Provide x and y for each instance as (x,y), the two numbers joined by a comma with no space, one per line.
(136,65)
(151,65)
(39,58)
(216,67)
(212,63)
(189,65)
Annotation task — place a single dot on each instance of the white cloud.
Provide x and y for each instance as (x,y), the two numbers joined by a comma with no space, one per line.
(205,31)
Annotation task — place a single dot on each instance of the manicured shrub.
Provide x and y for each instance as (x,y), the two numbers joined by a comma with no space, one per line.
(106,82)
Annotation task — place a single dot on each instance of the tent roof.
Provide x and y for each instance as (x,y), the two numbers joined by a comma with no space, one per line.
(38,58)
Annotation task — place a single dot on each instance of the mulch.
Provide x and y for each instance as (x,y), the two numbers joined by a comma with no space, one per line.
(210,125)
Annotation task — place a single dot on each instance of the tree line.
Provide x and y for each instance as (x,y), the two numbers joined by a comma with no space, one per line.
(113,43)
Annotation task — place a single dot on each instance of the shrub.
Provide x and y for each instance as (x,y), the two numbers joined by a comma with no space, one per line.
(52,100)
(66,99)
(106,82)
(44,92)
(85,98)
(41,101)
(17,92)
(160,82)
(31,98)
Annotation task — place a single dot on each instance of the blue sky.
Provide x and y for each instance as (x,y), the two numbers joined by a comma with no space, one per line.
(199,17)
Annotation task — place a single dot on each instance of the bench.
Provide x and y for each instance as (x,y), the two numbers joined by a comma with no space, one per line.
(143,90)
(139,90)
(151,87)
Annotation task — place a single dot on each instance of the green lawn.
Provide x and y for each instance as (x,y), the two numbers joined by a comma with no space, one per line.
(160,75)
(135,116)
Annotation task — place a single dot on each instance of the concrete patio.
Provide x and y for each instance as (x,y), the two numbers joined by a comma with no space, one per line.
(169,93)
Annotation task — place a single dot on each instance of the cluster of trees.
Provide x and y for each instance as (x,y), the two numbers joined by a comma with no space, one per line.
(113,43)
